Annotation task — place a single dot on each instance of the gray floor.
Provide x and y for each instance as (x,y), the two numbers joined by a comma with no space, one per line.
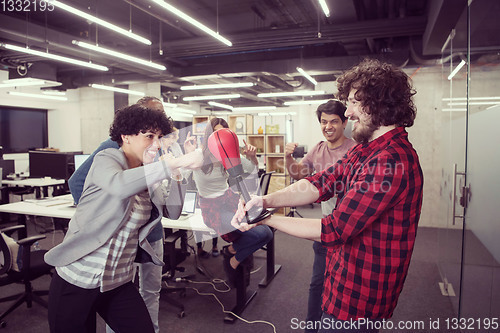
(284,299)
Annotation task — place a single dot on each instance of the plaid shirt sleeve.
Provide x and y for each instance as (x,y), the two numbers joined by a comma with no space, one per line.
(364,195)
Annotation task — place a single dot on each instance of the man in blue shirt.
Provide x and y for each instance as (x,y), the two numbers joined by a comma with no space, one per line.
(150,275)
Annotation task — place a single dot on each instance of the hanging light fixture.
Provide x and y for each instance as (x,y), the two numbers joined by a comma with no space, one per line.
(292,93)
(54,57)
(119,55)
(22,94)
(220,105)
(324,7)
(307,76)
(191,20)
(118,90)
(218,86)
(98,21)
(204,98)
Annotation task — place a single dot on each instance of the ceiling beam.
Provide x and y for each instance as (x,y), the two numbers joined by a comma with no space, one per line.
(443,17)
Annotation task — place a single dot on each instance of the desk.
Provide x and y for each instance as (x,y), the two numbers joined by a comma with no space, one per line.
(40,184)
(64,209)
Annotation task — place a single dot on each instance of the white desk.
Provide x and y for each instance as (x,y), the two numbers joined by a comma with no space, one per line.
(62,207)
(38,183)
(34,182)
(192,222)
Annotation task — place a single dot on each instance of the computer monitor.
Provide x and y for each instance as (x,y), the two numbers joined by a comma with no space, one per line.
(190,200)
(8,168)
(79,159)
(57,165)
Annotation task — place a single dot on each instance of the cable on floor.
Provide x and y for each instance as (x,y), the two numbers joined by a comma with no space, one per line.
(218,301)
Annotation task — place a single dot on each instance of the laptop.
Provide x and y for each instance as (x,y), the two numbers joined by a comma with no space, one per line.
(79,159)
(190,201)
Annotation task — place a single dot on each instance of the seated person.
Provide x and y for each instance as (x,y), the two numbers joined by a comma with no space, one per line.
(218,204)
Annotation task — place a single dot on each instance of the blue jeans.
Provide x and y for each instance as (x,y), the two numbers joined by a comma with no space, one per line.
(314,311)
(251,240)
(332,325)
(150,285)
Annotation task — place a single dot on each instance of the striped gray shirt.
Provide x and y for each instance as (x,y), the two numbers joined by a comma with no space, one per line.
(111,265)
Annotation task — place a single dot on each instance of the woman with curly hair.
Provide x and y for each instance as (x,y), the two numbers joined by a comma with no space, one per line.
(119,206)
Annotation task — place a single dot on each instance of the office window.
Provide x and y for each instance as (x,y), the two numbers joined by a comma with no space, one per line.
(22,129)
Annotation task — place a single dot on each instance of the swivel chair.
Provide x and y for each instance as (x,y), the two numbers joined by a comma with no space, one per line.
(18,264)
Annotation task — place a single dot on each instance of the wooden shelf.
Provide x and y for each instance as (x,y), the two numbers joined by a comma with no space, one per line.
(257,140)
(275,144)
(240,124)
(199,124)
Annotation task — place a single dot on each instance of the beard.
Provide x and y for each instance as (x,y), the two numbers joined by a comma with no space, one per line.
(364,132)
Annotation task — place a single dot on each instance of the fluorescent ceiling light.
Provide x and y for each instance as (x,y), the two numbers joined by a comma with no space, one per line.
(318,101)
(21,94)
(119,90)
(293,93)
(119,55)
(454,110)
(179,110)
(307,76)
(254,108)
(218,86)
(194,22)
(204,98)
(54,57)
(22,82)
(471,98)
(29,81)
(169,105)
(474,103)
(455,71)
(54,92)
(323,5)
(182,114)
(220,105)
(98,21)
(182,110)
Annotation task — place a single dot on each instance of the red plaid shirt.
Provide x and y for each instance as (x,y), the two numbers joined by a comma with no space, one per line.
(371,233)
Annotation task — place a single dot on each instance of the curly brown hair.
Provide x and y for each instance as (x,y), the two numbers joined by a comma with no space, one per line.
(136,118)
(385,92)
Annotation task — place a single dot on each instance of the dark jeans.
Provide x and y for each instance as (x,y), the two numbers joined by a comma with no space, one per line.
(314,311)
(332,325)
(251,240)
(73,309)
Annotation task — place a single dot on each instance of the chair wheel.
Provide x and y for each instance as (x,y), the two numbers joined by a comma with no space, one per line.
(181,314)
(3,324)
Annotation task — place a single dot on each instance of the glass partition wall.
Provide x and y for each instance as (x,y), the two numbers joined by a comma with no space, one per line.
(469,247)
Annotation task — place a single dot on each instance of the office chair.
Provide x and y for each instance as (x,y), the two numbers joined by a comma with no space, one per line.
(18,264)
(172,257)
(265,180)
(21,191)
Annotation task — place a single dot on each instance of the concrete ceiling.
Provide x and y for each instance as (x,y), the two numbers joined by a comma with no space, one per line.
(270,39)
